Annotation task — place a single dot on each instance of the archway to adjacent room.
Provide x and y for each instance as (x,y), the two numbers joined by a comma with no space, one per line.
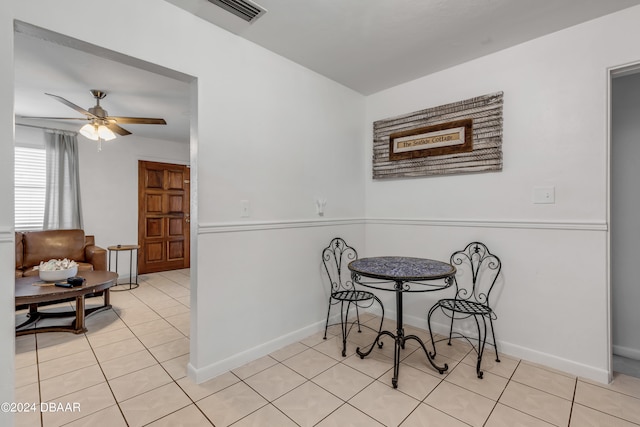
(190,84)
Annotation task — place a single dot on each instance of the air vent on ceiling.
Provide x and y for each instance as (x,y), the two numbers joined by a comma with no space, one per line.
(244,9)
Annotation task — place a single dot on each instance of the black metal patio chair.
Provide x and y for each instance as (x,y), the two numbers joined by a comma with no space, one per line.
(477,272)
(336,257)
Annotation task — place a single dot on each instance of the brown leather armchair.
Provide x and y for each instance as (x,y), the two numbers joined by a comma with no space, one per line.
(33,247)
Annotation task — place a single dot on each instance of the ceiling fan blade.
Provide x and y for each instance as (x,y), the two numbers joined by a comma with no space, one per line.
(137,120)
(117,129)
(74,106)
(54,118)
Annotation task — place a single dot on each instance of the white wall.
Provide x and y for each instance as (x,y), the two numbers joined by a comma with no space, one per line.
(555,133)
(285,137)
(7,248)
(268,131)
(625,206)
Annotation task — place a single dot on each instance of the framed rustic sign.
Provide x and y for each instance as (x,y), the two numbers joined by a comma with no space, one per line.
(430,142)
(446,138)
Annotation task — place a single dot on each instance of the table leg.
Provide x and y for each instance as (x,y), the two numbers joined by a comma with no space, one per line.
(79,322)
(131,268)
(399,340)
(136,268)
(77,325)
(398,337)
(32,316)
(442,369)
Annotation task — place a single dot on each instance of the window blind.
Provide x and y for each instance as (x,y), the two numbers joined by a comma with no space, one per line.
(30,182)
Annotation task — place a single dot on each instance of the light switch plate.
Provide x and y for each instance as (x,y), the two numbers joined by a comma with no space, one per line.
(544,195)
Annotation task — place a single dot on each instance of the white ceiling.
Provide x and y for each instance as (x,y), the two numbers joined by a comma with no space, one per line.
(367,45)
(63,67)
(371,45)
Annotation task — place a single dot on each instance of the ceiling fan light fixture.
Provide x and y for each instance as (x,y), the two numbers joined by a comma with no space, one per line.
(105,133)
(96,132)
(89,131)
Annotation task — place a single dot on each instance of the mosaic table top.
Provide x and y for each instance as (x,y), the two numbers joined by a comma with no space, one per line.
(401,268)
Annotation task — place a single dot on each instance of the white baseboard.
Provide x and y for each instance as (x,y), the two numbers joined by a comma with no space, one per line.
(569,366)
(572,367)
(516,351)
(631,353)
(213,370)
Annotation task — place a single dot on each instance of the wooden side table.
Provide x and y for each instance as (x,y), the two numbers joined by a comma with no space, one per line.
(122,248)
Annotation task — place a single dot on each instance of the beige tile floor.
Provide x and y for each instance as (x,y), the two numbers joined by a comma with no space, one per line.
(129,370)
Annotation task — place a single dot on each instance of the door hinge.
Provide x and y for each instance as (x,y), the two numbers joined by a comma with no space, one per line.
(186,181)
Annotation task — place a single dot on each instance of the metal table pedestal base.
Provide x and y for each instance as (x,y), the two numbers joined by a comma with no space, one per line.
(399,340)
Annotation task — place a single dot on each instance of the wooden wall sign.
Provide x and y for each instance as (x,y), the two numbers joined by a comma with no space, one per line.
(446,138)
(461,137)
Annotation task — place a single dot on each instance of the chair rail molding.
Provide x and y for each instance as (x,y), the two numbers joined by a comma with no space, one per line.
(503,223)
(6,235)
(231,227)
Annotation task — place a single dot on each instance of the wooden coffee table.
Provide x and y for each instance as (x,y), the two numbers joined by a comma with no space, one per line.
(31,291)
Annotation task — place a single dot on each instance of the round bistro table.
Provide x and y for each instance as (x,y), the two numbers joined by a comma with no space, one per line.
(401,275)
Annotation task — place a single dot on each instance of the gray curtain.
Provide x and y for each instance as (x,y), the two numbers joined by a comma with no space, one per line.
(62,209)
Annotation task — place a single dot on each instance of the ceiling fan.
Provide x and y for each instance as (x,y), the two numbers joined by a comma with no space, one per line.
(101,125)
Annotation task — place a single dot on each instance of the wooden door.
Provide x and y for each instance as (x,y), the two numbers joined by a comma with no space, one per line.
(163,216)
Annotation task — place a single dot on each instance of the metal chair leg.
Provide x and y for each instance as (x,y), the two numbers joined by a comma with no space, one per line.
(453,315)
(358,318)
(493,335)
(326,325)
(482,339)
(344,319)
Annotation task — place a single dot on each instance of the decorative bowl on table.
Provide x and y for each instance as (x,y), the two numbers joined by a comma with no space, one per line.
(56,270)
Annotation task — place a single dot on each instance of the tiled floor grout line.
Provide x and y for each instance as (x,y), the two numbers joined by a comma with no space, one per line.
(443,379)
(573,403)
(270,402)
(573,400)
(102,370)
(339,362)
(281,362)
(35,339)
(175,381)
(501,393)
(106,380)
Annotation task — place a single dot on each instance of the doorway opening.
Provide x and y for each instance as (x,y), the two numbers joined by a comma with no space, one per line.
(624,205)
(111,205)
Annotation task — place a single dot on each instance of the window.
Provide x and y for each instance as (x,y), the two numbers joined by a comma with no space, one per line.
(30,181)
